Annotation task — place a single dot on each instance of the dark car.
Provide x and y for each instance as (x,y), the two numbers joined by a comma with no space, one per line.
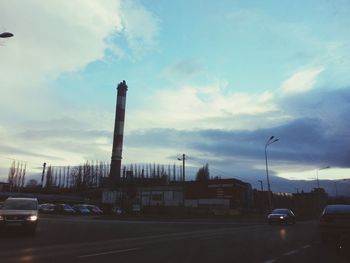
(94,209)
(335,223)
(281,216)
(82,209)
(19,213)
(64,209)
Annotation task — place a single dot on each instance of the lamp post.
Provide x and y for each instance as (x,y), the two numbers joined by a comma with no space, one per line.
(318,182)
(183,166)
(6,35)
(271,140)
(318,188)
(261,185)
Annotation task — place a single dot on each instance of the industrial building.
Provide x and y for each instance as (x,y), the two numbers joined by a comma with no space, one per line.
(126,189)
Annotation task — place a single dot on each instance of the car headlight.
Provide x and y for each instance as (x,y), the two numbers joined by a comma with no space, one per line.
(1,218)
(32,218)
(282,217)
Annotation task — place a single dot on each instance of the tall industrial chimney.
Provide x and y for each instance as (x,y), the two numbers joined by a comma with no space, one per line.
(118,135)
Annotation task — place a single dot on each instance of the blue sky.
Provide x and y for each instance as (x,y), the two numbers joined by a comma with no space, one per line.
(212,79)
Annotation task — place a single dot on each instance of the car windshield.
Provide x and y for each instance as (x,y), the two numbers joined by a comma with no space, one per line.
(14,204)
(280,211)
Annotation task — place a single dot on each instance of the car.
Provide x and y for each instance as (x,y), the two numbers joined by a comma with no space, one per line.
(335,223)
(82,209)
(135,208)
(64,209)
(47,208)
(19,213)
(94,209)
(117,210)
(281,216)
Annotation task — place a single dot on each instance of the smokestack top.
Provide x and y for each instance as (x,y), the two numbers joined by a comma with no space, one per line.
(122,86)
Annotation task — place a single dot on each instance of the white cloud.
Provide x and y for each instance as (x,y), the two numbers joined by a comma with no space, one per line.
(191,107)
(59,36)
(141,27)
(301,81)
(52,38)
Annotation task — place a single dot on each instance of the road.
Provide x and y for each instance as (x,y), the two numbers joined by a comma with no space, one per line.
(77,239)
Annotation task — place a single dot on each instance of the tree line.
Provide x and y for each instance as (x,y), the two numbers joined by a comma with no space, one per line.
(89,175)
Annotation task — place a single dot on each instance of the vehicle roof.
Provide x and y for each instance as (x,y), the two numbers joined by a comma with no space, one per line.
(22,198)
(337,208)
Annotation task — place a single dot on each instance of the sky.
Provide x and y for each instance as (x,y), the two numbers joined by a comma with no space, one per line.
(210,79)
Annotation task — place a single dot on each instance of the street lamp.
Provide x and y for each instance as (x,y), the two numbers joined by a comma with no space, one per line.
(271,140)
(261,185)
(318,182)
(6,35)
(183,166)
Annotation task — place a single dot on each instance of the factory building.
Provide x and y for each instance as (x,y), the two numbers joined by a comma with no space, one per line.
(128,189)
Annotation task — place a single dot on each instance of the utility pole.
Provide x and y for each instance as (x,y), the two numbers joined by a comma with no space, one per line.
(318,181)
(183,166)
(42,176)
(271,140)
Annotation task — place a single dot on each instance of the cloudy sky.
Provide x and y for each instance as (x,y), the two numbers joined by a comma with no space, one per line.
(211,79)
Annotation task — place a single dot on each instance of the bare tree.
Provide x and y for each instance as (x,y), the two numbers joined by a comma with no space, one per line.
(32,183)
(23,175)
(49,177)
(203,174)
(11,175)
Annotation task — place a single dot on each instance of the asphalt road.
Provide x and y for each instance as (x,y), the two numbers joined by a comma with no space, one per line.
(76,239)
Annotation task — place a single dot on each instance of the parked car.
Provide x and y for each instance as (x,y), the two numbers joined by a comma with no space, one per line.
(94,209)
(135,208)
(64,209)
(118,211)
(19,213)
(82,209)
(335,223)
(281,216)
(47,208)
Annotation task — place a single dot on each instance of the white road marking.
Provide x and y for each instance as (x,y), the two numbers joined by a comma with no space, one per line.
(290,252)
(108,252)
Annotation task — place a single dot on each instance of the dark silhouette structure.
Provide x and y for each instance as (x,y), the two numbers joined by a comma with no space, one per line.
(118,135)
(6,35)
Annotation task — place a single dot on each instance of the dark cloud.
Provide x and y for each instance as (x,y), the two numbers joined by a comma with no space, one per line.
(317,136)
